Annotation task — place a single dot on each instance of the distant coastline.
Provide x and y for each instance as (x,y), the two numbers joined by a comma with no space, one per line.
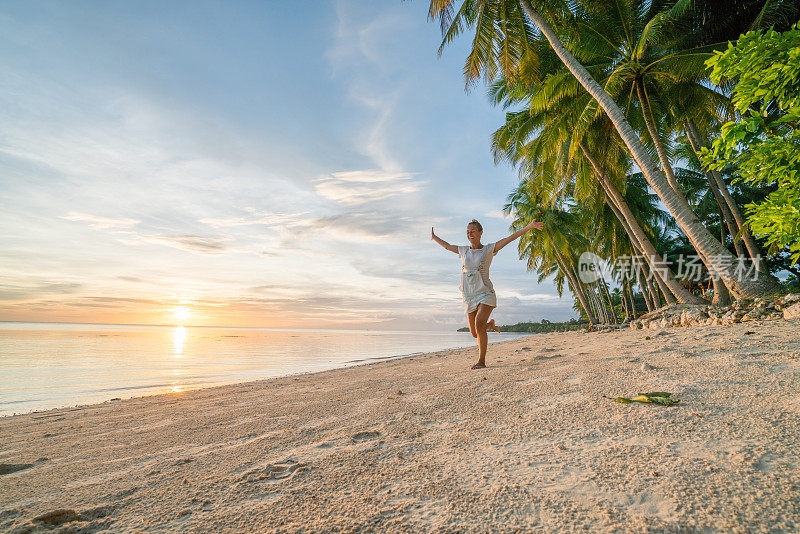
(541,327)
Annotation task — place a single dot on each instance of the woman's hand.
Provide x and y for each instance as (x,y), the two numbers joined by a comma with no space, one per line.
(535,224)
(445,244)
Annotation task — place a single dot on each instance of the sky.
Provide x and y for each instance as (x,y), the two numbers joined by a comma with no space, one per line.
(254,164)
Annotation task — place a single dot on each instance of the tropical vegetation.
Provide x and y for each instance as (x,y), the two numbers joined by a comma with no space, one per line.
(763,144)
(610,109)
(541,327)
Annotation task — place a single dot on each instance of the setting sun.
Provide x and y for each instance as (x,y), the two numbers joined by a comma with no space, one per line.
(181,313)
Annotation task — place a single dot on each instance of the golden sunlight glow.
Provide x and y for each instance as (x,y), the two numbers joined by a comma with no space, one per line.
(178,337)
(176,389)
(181,313)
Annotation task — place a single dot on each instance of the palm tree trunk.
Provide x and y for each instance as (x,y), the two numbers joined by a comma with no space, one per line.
(647,113)
(593,303)
(631,299)
(612,313)
(723,260)
(724,211)
(577,290)
(722,296)
(574,284)
(645,294)
(638,237)
(719,293)
(590,298)
(624,301)
(601,311)
(749,241)
(653,291)
(664,289)
(601,297)
(659,273)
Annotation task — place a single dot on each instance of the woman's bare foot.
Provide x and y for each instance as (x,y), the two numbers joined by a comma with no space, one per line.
(491,326)
(479,365)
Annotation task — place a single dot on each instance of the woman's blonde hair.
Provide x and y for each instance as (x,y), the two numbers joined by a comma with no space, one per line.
(476,223)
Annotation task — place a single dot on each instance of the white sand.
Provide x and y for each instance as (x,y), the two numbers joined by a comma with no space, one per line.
(424,443)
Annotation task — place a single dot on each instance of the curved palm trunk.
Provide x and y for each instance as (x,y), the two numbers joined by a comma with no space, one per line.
(593,305)
(624,300)
(574,283)
(601,296)
(638,237)
(724,210)
(653,292)
(725,215)
(664,289)
(723,260)
(647,113)
(601,312)
(749,241)
(611,313)
(721,295)
(631,299)
(645,293)
(658,275)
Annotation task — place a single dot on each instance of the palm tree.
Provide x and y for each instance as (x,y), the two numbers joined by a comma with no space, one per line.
(550,252)
(502,36)
(539,139)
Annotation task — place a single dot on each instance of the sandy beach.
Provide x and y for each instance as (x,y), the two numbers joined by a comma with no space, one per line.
(425,444)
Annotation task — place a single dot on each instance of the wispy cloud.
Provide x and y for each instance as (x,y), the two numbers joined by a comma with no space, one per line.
(371,225)
(99,222)
(497,214)
(257,217)
(365,186)
(24,292)
(190,243)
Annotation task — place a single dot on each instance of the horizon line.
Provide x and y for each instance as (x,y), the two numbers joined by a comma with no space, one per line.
(214,326)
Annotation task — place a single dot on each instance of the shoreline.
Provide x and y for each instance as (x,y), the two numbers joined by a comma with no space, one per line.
(423,443)
(343,365)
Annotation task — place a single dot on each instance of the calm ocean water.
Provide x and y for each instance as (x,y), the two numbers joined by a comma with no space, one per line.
(49,365)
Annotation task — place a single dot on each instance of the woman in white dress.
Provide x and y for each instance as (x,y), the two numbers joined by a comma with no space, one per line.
(476,288)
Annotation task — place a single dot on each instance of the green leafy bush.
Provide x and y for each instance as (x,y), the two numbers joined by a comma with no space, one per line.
(764,144)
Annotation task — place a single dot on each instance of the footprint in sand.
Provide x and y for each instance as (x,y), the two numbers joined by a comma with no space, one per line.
(7,469)
(58,517)
(365,436)
(122,494)
(540,357)
(274,472)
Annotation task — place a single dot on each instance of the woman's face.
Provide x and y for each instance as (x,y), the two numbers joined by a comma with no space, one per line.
(473,234)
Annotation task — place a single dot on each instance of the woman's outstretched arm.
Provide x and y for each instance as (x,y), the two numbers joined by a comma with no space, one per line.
(445,244)
(506,240)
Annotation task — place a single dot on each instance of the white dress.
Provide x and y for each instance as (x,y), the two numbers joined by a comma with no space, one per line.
(476,288)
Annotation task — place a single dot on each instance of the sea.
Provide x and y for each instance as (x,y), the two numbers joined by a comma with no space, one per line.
(53,365)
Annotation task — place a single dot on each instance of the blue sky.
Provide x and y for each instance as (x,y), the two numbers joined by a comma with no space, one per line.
(253,162)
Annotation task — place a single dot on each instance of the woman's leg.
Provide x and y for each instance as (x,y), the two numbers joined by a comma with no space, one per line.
(471,323)
(481,318)
(491,326)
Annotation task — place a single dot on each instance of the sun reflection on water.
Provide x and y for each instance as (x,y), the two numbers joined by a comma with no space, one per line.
(178,337)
